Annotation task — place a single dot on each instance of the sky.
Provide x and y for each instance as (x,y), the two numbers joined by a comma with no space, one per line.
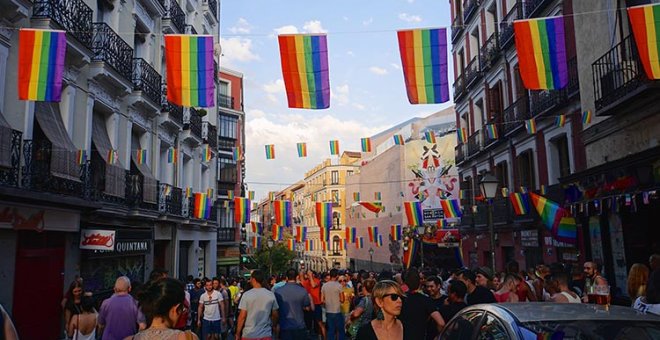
(367,86)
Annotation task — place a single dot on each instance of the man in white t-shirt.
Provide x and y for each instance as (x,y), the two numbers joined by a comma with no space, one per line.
(258,311)
(210,313)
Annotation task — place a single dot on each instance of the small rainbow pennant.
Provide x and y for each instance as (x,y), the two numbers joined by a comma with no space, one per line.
(334,147)
(441,223)
(356,196)
(462,135)
(172,156)
(530,125)
(112,156)
(396,231)
(560,121)
(206,154)
(241,210)
(276,232)
(586,117)
(491,129)
(520,203)
(301,233)
(380,241)
(81,156)
(302,149)
(373,233)
(141,156)
(366,144)
(270,151)
(430,137)
(230,194)
(359,244)
(237,153)
(256,242)
(398,140)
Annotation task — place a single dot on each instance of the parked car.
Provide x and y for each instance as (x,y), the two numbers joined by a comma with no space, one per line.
(532,321)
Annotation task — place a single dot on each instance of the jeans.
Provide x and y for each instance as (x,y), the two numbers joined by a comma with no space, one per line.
(335,324)
(293,334)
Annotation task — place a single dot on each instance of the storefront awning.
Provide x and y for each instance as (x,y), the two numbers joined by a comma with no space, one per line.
(63,160)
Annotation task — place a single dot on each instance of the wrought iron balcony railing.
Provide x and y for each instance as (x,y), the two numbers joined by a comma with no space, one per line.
(534,7)
(456,27)
(176,15)
(459,86)
(459,154)
(489,52)
(226,235)
(474,143)
(74,16)
(175,111)
(146,79)
(225,101)
(469,8)
(195,123)
(9,175)
(213,7)
(502,213)
(516,114)
(136,188)
(37,175)
(169,199)
(110,48)
(506,26)
(543,102)
(212,136)
(486,137)
(472,72)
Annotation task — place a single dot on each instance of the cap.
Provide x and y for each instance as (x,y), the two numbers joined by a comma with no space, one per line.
(485,271)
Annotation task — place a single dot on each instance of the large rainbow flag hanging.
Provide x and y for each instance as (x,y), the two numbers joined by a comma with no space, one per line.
(451,208)
(40,64)
(520,203)
(645,22)
(366,144)
(541,48)
(304,60)
(351,234)
(189,61)
(409,255)
(374,207)
(276,232)
(241,210)
(282,212)
(555,218)
(424,59)
(373,233)
(324,217)
(414,214)
(202,206)
(396,231)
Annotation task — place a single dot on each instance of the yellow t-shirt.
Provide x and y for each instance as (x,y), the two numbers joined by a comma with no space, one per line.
(348,297)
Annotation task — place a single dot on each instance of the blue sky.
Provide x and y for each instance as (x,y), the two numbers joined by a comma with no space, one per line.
(367,86)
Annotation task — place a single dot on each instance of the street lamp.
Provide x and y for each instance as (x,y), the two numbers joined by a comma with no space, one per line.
(270,254)
(371,258)
(489,186)
(421,230)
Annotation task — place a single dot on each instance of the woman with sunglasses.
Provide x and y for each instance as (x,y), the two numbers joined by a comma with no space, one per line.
(389,299)
(162,303)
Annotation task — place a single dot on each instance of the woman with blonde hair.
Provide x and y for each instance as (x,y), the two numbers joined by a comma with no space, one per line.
(388,297)
(637,278)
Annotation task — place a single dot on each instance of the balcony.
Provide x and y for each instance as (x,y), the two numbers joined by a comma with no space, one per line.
(469,9)
(38,175)
(169,199)
(137,190)
(456,27)
(459,87)
(491,141)
(9,172)
(170,113)
(620,83)
(73,16)
(108,47)
(506,26)
(489,52)
(474,143)
(515,114)
(174,20)
(147,80)
(212,12)
(226,235)
(543,102)
(225,101)
(502,213)
(195,123)
(472,72)
(211,135)
(459,154)
(533,8)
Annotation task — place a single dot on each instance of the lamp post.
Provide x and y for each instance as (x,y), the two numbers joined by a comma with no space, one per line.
(371,259)
(489,186)
(270,254)
(421,229)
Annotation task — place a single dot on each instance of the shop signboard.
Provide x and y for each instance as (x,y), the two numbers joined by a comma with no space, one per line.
(97,239)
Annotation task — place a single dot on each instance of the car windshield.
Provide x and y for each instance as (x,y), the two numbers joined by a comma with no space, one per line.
(591,330)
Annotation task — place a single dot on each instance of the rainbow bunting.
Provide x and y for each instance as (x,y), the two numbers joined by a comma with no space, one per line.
(462,135)
(276,232)
(396,232)
(398,140)
(645,22)
(40,64)
(491,129)
(225,204)
(430,137)
(334,147)
(206,154)
(256,242)
(530,125)
(560,121)
(451,208)
(112,157)
(302,149)
(141,156)
(380,241)
(251,195)
(373,233)
(167,190)
(190,78)
(291,244)
(301,233)
(356,196)
(172,156)
(378,196)
(366,144)
(586,117)
(520,203)
(201,208)
(81,156)
(359,243)
(414,214)
(424,62)
(304,60)
(282,212)
(241,210)
(541,48)
(441,223)
(374,207)
(555,218)
(237,153)
(230,194)
(270,151)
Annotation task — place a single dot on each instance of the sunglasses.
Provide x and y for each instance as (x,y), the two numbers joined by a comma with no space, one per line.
(394,297)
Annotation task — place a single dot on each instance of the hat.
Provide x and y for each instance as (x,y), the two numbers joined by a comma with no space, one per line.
(485,271)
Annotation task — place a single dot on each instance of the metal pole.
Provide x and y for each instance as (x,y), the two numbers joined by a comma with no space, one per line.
(491,227)
(421,248)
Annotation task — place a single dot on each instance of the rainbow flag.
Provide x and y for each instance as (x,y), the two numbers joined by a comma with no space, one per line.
(334,147)
(530,125)
(81,156)
(409,255)
(350,234)
(414,214)
(378,196)
(237,153)
(201,208)
(462,135)
(586,117)
(189,62)
(396,232)
(356,196)
(253,227)
(256,242)
(359,243)
(172,156)
(491,129)
(230,194)
(373,233)
(282,212)
(374,207)
(324,218)
(379,242)
(424,62)
(541,48)
(398,140)
(430,137)
(560,121)
(304,60)
(206,154)
(441,223)
(543,189)
(645,22)
(112,156)
(549,211)
(462,194)
(189,192)
(301,233)
(141,156)
(520,203)
(302,149)
(241,210)
(167,190)
(276,232)
(209,193)
(40,64)
(270,151)
(566,231)
(225,204)
(291,244)
(366,144)
(251,195)
(451,208)
(309,245)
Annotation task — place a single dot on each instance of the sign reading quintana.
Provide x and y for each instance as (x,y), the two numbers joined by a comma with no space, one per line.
(93,239)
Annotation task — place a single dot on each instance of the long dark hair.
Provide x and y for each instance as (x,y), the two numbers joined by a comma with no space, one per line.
(158,297)
(70,300)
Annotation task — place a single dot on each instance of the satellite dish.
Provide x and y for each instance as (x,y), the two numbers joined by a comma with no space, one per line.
(217,50)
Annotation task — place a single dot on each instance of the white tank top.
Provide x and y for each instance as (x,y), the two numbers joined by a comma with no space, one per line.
(570,298)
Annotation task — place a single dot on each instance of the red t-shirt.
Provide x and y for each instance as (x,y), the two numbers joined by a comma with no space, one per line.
(314,292)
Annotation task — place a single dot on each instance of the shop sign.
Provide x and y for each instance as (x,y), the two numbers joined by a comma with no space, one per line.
(444,238)
(132,246)
(95,239)
(529,238)
(433,214)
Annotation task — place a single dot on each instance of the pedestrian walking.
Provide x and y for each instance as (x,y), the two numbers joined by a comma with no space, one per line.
(292,300)
(475,294)
(332,296)
(71,303)
(119,315)
(418,309)
(388,296)
(210,313)
(258,311)
(312,284)
(83,325)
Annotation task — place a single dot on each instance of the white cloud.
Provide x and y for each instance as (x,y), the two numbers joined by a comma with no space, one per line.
(288,29)
(237,49)
(410,1)
(378,70)
(273,90)
(340,94)
(314,26)
(255,113)
(359,106)
(242,27)
(368,22)
(350,53)
(409,17)
(395,66)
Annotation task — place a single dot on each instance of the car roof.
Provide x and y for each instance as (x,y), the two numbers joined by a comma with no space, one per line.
(545,311)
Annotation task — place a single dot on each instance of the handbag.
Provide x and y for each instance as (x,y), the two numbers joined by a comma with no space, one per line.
(357,323)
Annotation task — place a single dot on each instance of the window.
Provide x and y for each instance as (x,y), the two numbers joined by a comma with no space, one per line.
(502,174)
(336,245)
(526,176)
(560,159)
(462,326)
(492,329)
(226,170)
(335,196)
(228,126)
(223,88)
(227,219)
(335,177)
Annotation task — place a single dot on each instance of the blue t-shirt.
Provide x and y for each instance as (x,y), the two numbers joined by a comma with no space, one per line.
(292,298)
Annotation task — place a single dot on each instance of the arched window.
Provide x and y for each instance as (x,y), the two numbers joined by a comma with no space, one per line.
(336,244)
